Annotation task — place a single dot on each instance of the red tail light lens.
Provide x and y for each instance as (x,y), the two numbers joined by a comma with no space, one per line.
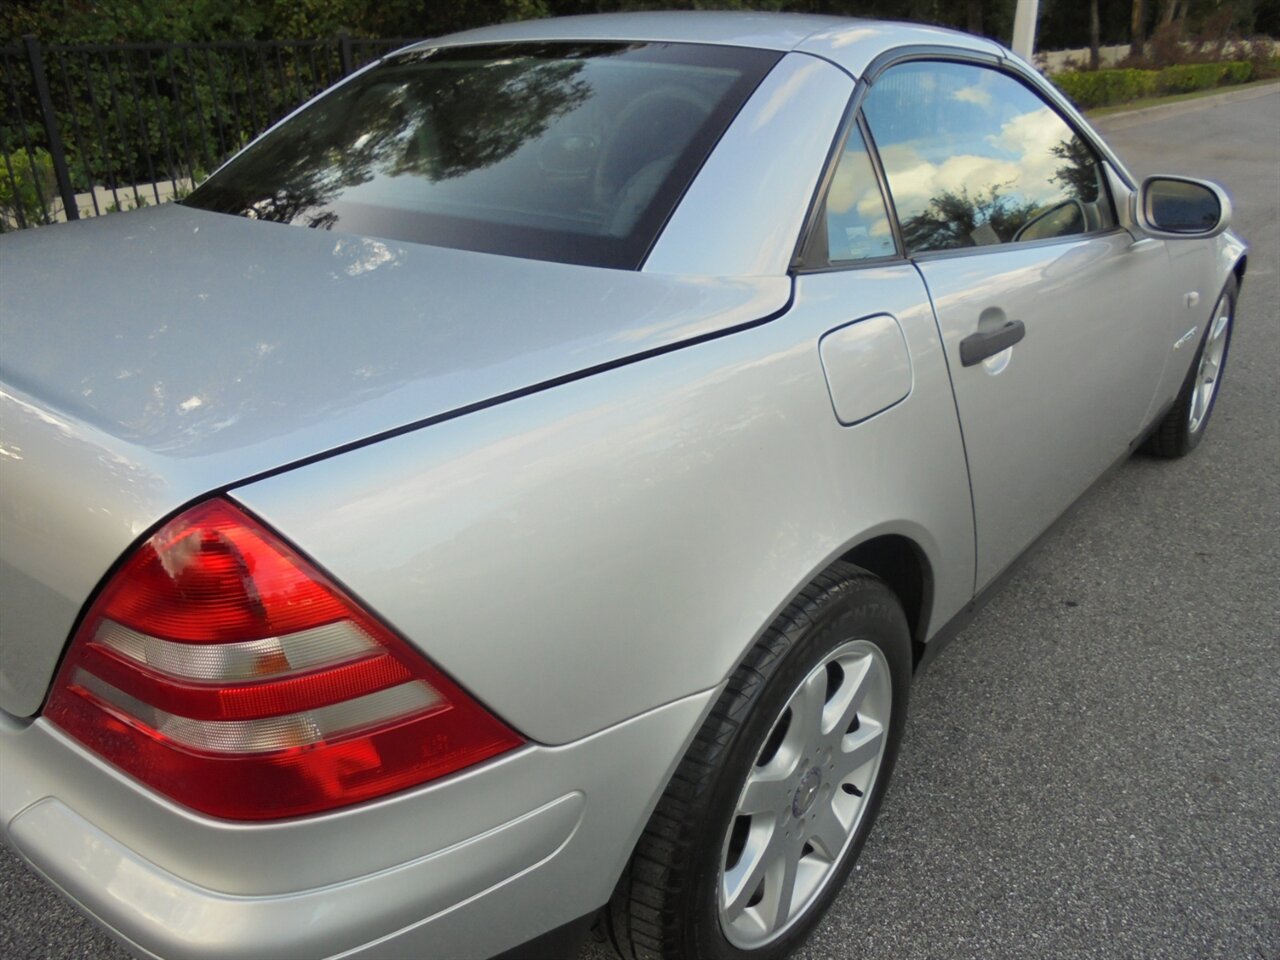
(222,669)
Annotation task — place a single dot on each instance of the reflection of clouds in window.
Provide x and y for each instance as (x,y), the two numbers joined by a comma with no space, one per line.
(973,94)
(972,164)
(1030,140)
(857,222)
(847,194)
(1019,160)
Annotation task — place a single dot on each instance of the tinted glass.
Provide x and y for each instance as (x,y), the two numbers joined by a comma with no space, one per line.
(1182,207)
(857,224)
(569,152)
(973,158)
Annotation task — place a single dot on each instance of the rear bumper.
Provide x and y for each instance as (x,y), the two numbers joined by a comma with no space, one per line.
(469,867)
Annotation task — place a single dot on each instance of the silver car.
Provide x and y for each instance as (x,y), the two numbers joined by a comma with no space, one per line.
(552,530)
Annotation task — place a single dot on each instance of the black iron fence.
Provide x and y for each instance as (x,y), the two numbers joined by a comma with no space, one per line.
(87,129)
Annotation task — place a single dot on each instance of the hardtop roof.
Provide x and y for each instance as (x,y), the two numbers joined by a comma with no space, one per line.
(849,43)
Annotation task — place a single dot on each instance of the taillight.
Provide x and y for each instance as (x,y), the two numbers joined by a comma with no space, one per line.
(222,669)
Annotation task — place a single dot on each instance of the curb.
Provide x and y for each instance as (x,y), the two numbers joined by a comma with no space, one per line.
(1120,119)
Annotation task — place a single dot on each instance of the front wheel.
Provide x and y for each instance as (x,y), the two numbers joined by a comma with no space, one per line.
(1184,425)
(770,806)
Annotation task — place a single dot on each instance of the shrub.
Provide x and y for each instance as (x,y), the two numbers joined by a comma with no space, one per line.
(26,180)
(1260,52)
(1165,47)
(1214,35)
(1188,77)
(1101,88)
(1202,76)
(1238,72)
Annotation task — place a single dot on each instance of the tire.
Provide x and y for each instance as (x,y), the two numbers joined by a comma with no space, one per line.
(1183,427)
(758,786)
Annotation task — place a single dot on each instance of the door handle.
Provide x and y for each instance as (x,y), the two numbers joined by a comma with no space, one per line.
(987,343)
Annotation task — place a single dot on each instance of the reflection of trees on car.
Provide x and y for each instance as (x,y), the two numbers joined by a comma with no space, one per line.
(958,218)
(470,119)
(1079,174)
(432,122)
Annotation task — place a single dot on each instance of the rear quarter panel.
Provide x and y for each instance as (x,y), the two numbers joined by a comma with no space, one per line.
(585,553)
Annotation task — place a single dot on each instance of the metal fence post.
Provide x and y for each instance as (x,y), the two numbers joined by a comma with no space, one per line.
(60,171)
(344,52)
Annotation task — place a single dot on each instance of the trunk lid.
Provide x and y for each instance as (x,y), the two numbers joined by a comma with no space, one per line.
(149,358)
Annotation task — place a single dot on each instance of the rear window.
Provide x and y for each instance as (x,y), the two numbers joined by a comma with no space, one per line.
(552,151)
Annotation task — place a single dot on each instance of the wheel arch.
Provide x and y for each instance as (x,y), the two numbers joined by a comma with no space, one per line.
(903,564)
(899,554)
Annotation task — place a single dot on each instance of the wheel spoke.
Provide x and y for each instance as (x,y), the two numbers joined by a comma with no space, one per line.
(1197,405)
(806,712)
(767,791)
(827,832)
(839,713)
(740,883)
(1209,369)
(857,749)
(779,887)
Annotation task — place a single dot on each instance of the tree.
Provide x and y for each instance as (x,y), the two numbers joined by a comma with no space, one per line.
(1172,11)
(1136,19)
(1095,36)
(973,17)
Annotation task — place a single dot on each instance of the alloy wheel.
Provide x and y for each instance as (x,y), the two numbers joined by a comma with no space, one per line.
(1208,373)
(805,795)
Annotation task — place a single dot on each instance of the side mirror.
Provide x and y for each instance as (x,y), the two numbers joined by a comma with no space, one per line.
(1182,208)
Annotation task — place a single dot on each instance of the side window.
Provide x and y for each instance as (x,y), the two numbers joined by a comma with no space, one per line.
(974,158)
(856,221)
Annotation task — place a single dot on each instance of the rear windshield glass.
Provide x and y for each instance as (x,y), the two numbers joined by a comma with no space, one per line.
(552,151)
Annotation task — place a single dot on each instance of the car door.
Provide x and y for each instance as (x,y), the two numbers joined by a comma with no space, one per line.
(1051,316)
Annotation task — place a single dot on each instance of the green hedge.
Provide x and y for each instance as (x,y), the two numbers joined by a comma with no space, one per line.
(26,188)
(1102,88)
(1238,71)
(1204,76)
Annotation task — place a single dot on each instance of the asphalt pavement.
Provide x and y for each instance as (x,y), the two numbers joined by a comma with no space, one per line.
(1092,770)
